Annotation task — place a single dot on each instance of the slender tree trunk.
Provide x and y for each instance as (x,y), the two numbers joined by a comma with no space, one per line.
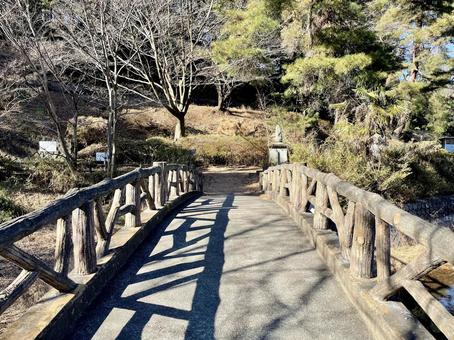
(52,112)
(224,92)
(180,128)
(74,140)
(111,144)
(221,98)
(111,133)
(309,25)
(415,70)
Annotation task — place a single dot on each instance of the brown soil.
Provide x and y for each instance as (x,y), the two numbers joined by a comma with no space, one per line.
(231,180)
(199,120)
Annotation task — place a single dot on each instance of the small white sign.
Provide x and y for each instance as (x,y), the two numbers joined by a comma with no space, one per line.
(50,147)
(449,147)
(101,157)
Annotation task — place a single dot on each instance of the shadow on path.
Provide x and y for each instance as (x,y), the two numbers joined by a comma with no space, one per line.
(201,317)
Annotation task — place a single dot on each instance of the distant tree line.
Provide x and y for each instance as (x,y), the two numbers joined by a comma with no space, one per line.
(384,66)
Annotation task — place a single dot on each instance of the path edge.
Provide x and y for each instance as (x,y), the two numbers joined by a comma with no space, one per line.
(55,315)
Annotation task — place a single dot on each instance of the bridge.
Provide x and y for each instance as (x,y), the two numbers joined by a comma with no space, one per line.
(148,255)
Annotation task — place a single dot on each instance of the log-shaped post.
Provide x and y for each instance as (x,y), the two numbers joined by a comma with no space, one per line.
(160,185)
(321,203)
(132,219)
(200,181)
(303,193)
(187,181)
(192,179)
(63,245)
(177,182)
(296,187)
(152,189)
(276,180)
(383,249)
(148,196)
(103,245)
(282,182)
(99,221)
(170,176)
(181,179)
(267,176)
(348,230)
(84,239)
(362,252)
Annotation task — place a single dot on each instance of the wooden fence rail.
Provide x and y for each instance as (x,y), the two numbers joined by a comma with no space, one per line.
(362,222)
(85,222)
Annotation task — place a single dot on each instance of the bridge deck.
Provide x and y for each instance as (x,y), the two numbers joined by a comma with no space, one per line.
(227,267)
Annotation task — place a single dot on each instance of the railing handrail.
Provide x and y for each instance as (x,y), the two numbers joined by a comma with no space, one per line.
(361,242)
(84,230)
(15,229)
(438,239)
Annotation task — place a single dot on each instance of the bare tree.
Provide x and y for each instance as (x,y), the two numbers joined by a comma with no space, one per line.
(25,27)
(166,44)
(95,32)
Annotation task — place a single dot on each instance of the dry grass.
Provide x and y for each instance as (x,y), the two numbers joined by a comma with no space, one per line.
(199,120)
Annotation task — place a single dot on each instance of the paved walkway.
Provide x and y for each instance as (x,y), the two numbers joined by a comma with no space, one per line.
(227,267)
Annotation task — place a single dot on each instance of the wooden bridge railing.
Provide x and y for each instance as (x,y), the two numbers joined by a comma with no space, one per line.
(362,221)
(83,228)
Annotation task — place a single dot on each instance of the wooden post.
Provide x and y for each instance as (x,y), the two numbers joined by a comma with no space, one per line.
(383,249)
(303,193)
(181,177)
(200,186)
(296,187)
(103,245)
(177,182)
(84,239)
(362,252)
(348,229)
(148,196)
(162,183)
(321,203)
(132,219)
(152,189)
(276,180)
(63,245)
(187,180)
(282,182)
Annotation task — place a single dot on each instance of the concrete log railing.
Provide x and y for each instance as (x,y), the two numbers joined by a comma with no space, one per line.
(358,223)
(84,227)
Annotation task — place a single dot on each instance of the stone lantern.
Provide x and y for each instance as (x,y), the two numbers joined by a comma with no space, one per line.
(277,151)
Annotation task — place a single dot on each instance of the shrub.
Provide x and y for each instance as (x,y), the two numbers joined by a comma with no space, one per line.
(406,171)
(8,209)
(147,151)
(50,174)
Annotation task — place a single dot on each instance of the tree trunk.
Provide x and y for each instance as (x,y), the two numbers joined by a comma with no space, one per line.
(74,140)
(415,70)
(61,138)
(111,133)
(221,98)
(180,128)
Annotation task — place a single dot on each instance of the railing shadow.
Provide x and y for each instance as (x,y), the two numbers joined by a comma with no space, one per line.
(200,319)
